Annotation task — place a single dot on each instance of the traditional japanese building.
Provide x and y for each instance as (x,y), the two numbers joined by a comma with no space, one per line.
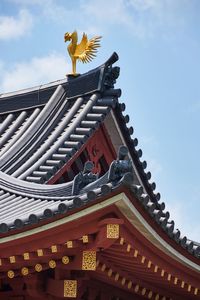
(79,215)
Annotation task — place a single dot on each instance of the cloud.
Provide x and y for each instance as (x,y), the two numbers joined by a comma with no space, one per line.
(113,11)
(39,70)
(51,9)
(143,18)
(14,27)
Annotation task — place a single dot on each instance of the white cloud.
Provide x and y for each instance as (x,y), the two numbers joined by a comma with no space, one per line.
(39,70)
(110,11)
(143,18)
(51,9)
(14,27)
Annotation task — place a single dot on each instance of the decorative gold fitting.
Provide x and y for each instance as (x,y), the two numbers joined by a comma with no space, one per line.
(175,280)
(162,273)
(182,284)
(128,249)
(24,271)
(52,264)
(103,267)
(10,274)
(38,267)
(143,291)
(143,259)
(54,249)
(149,264)
(121,241)
(137,287)
(110,272)
(189,288)
(116,276)
(112,231)
(123,281)
(40,252)
(155,269)
(135,253)
(157,297)
(85,239)
(150,294)
(89,260)
(12,259)
(26,256)
(130,285)
(65,260)
(70,289)
(196,291)
(69,244)
(169,276)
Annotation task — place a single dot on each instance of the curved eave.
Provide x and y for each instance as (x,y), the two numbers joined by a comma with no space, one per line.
(144,179)
(138,235)
(130,204)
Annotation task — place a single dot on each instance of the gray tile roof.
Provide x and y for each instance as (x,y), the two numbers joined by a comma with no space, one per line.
(43,134)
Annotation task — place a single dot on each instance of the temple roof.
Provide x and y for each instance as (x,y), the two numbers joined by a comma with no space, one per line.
(43,128)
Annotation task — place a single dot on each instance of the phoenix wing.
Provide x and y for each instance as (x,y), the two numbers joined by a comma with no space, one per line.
(86,50)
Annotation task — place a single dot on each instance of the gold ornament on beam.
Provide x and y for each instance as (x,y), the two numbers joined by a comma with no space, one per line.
(70,288)
(85,51)
(11,274)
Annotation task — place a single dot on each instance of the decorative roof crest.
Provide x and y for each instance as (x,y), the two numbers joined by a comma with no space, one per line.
(85,51)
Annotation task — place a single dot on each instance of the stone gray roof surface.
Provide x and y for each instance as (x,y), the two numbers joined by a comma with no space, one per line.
(43,135)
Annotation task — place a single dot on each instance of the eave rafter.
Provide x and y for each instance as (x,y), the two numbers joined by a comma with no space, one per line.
(127,280)
(113,253)
(138,259)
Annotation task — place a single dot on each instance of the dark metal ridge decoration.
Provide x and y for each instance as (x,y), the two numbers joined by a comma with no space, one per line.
(84,178)
(96,80)
(120,166)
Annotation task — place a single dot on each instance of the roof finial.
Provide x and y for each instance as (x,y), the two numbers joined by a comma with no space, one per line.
(85,51)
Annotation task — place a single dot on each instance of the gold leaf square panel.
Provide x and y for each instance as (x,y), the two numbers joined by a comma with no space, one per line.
(89,260)
(112,231)
(70,288)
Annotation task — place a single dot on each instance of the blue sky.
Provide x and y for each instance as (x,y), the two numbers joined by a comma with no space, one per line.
(158,42)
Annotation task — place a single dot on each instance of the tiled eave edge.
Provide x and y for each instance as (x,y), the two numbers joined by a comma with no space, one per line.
(143,176)
(129,211)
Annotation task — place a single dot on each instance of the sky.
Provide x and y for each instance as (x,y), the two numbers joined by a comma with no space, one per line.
(158,43)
